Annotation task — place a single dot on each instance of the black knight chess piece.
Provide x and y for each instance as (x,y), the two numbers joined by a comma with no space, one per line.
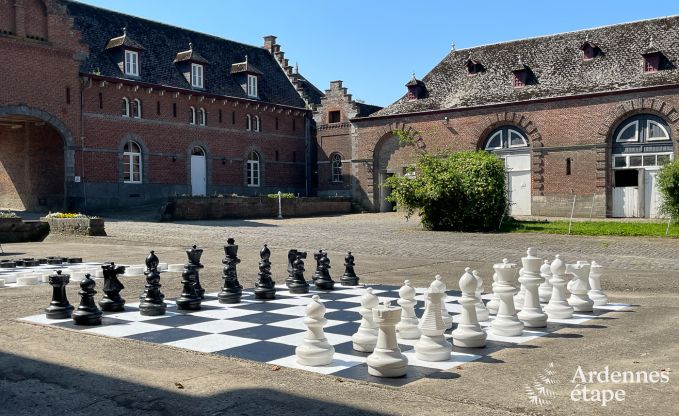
(87,313)
(298,285)
(112,301)
(59,307)
(349,277)
(152,304)
(292,256)
(265,287)
(324,281)
(232,290)
(190,299)
(317,273)
(194,258)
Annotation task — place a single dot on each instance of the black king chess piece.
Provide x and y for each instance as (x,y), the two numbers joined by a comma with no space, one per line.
(152,304)
(265,287)
(87,312)
(324,281)
(232,290)
(190,299)
(59,307)
(298,284)
(317,273)
(349,277)
(112,301)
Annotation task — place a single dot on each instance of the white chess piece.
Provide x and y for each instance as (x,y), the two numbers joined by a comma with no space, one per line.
(386,359)
(494,304)
(365,338)
(407,327)
(468,333)
(440,286)
(481,311)
(531,314)
(579,287)
(506,323)
(558,307)
(315,349)
(596,293)
(520,294)
(432,345)
(545,289)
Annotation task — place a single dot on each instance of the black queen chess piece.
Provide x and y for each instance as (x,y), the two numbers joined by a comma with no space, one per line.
(190,299)
(87,313)
(265,287)
(59,307)
(232,290)
(194,258)
(297,284)
(349,277)
(112,301)
(152,303)
(324,281)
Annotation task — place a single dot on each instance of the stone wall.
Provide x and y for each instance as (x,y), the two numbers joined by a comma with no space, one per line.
(76,226)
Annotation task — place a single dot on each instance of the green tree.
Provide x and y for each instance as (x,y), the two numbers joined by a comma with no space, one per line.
(668,185)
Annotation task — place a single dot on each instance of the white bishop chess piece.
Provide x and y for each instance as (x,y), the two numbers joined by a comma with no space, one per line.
(315,349)
(545,289)
(579,287)
(432,345)
(531,314)
(506,323)
(481,311)
(365,338)
(386,359)
(558,307)
(468,333)
(439,285)
(596,293)
(494,304)
(407,327)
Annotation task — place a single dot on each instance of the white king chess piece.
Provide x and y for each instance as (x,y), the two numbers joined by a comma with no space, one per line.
(468,333)
(439,285)
(531,314)
(365,338)
(315,349)
(506,323)
(545,289)
(432,345)
(596,293)
(386,359)
(558,307)
(481,310)
(579,287)
(407,327)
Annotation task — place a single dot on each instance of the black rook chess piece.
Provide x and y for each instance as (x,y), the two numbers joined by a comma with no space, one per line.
(349,277)
(112,301)
(324,281)
(59,307)
(298,284)
(152,304)
(265,287)
(87,312)
(232,290)
(189,300)
(194,258)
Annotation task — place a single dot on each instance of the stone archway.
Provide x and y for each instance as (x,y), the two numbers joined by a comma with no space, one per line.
(390,158)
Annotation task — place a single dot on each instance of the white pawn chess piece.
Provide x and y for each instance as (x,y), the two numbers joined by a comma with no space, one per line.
(386,359)
(494,304)
(407,327)
(432,345)
(558,307)
(440,286)
(596,293)
(531,314)
(520,294)
(481,311)
(545,289)
(579,287)
(315,349)
(468,333)
(506,323)
(365,338)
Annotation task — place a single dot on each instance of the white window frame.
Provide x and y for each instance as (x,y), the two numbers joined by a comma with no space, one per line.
(202,116)
(248,122)
(131,63)
(490,139)
(130,157)
(253,166)
(192,115)
(656,139)
(257,124)
(136,101)
(252,86)
(509,139)
(197,75)
(336,169)
(627,157)
(126,113)
(635,139)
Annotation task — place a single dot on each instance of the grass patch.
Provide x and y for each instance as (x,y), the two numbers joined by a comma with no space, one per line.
(593,228)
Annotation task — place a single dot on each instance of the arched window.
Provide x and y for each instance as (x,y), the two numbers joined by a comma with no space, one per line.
(257,126)
(336,166)
(202,117)
(642,141)
(506,137)
(125,107)
(192,115)
(132,162)
(197,151)
(248,122)
(252,169)
(641,129)
(136,108)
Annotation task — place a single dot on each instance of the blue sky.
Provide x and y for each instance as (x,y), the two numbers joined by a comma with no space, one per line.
(375,46)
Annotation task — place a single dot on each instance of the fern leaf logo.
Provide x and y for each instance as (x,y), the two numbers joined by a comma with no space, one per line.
(539,393)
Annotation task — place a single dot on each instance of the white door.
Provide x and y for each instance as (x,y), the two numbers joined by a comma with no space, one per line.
(626,202)
(651,196)
(518,183)
(198,176)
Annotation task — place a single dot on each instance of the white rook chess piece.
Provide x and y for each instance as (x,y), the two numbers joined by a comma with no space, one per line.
(407,327)
(545,289)
(520,294)
(440,286)
(432,345)
(596,293)
(365,338)
(494,304)
(506,323)
(558,307)
(315,349)
(468,333)
(386,359)
(531,314)
(579,287)
(481,310)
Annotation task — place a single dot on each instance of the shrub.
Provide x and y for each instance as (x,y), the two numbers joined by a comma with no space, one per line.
(462,191)
(8,214)
(668,186)
(288,195)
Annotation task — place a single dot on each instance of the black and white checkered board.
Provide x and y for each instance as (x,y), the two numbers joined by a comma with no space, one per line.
(33,275)
(269,331)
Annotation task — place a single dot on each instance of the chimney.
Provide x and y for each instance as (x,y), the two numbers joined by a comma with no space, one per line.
(335,85)
(269,42)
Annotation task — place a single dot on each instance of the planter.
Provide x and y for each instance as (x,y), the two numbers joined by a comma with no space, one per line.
(76,226)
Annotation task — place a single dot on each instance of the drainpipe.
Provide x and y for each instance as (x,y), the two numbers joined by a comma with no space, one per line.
(84,82)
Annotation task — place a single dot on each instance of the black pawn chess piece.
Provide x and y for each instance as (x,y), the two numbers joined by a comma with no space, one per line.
(265,287)
(87,312)
(59,307)
(189,300)
(317,273)
(349,277)
(292,256)
(298,285)
(194,258)
(152,304)
(324,281)
(232,290)
(112,301)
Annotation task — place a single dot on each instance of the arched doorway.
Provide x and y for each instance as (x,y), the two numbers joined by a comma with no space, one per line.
(198,172)
(389,158)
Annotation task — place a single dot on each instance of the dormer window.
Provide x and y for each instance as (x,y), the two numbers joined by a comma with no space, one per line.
(589,50)
(247,75)
(652,62)
(132,63)
(197,75)
(125,53)
(416,89)
(191,64)
(473,67)
(252,86)
(520,78)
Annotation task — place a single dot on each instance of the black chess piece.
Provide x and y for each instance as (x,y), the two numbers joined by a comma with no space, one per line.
(317,273)
(265,287)
(194,258)
(349,277)
(324,281)
(112,301)
(292,256)
(152,304)
(87,312)
(232,290)
(298,285)
(59,307)
(189,300)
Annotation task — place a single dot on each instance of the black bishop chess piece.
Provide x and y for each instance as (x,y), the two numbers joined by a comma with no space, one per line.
(87,313)
(324,281)
(265,287)
(349,277)
(190,299)
(112,301)
(152,303)
(194,258)
(59,307)
(232,290)
(298,284)
(317,273)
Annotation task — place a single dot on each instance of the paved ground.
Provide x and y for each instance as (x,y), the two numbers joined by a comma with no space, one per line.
(53,372)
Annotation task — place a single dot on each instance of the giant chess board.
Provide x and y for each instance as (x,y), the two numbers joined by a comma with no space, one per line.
(268,331)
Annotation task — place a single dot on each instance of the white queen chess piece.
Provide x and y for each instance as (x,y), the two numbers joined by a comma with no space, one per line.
(506,323)
(315,349)
(365,338)
(440,286)
(558,307)
(432,345)
(596,293)
(386,359)
(545,289)
(481,311)
(531,314)
(579,287)
(407,327)
(468,333)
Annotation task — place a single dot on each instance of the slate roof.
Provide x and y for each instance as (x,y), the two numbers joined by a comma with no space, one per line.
(312,93)
(364,110)
(161,45)
(556,63)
